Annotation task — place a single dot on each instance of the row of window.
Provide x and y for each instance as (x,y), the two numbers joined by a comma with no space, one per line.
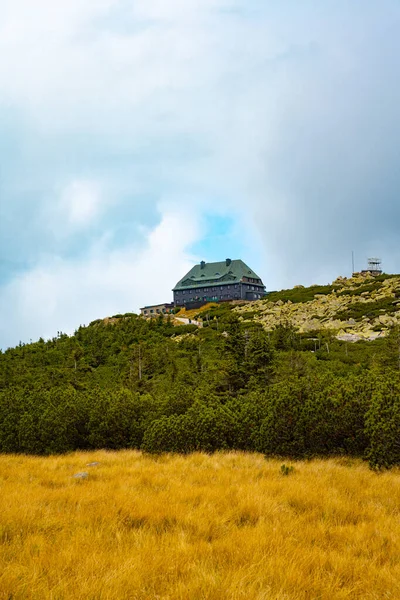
(216,298)
(215,289)
(210,298)
(212,289)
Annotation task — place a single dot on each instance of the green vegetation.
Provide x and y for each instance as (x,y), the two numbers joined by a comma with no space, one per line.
(147,384)
(362,289)
(358,310)
(301,294)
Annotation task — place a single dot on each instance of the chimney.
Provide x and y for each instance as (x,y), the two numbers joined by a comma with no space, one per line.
(202,264)
(228,262)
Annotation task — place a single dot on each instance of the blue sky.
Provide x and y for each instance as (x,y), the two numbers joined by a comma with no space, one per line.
(140,136)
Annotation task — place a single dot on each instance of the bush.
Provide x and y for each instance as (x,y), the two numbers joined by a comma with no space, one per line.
(300,294)
(383,429)
(113,420)
(169,434)
(202,428)
(281,431)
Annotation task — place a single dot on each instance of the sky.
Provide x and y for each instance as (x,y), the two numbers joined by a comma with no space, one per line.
(138,137)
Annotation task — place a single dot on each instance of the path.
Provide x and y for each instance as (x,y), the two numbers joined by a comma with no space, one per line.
(186,321)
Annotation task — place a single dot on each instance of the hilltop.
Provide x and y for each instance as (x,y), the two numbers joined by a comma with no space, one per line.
(275,376)
(362,307)
(359,308)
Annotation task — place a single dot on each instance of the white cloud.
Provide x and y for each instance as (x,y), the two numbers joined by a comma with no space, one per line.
(81,202)
(58,295)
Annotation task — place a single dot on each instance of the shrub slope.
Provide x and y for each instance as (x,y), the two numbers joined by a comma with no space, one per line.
(235,383)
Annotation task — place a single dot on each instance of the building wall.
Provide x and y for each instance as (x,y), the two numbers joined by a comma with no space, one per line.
(220,293)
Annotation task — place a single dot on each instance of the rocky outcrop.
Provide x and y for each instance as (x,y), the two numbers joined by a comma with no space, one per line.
(361,307)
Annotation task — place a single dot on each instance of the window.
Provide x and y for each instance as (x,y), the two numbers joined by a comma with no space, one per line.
(183,292)
(151,310)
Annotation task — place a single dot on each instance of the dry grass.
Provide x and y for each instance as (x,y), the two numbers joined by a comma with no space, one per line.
(191,313)
(198,527)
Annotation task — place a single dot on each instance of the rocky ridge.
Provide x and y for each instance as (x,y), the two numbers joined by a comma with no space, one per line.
(362,307)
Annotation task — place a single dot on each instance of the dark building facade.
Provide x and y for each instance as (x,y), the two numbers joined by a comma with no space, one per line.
(218,282)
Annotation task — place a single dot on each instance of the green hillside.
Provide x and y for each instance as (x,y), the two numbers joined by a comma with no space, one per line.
(274,376)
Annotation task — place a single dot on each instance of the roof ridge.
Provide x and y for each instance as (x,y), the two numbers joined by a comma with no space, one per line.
(216,273)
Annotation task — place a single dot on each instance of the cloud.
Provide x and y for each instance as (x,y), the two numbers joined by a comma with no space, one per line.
(58,294)
(80,203)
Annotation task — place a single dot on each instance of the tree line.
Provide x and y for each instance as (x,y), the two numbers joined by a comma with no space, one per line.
(147,384)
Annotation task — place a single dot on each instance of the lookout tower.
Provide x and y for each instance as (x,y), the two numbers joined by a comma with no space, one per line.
(374,267)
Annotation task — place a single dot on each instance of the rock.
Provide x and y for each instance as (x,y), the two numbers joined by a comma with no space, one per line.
(348,337)
(82,475)
(385,320)
(93,464)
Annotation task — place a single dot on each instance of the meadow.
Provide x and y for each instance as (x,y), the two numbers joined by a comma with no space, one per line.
(170,527)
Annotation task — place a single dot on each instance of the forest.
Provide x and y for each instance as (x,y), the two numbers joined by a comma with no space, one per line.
(128,382)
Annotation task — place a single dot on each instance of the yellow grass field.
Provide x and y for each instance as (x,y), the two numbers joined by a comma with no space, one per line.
(198,527)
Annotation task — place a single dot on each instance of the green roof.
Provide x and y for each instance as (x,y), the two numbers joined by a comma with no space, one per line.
(216,273)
